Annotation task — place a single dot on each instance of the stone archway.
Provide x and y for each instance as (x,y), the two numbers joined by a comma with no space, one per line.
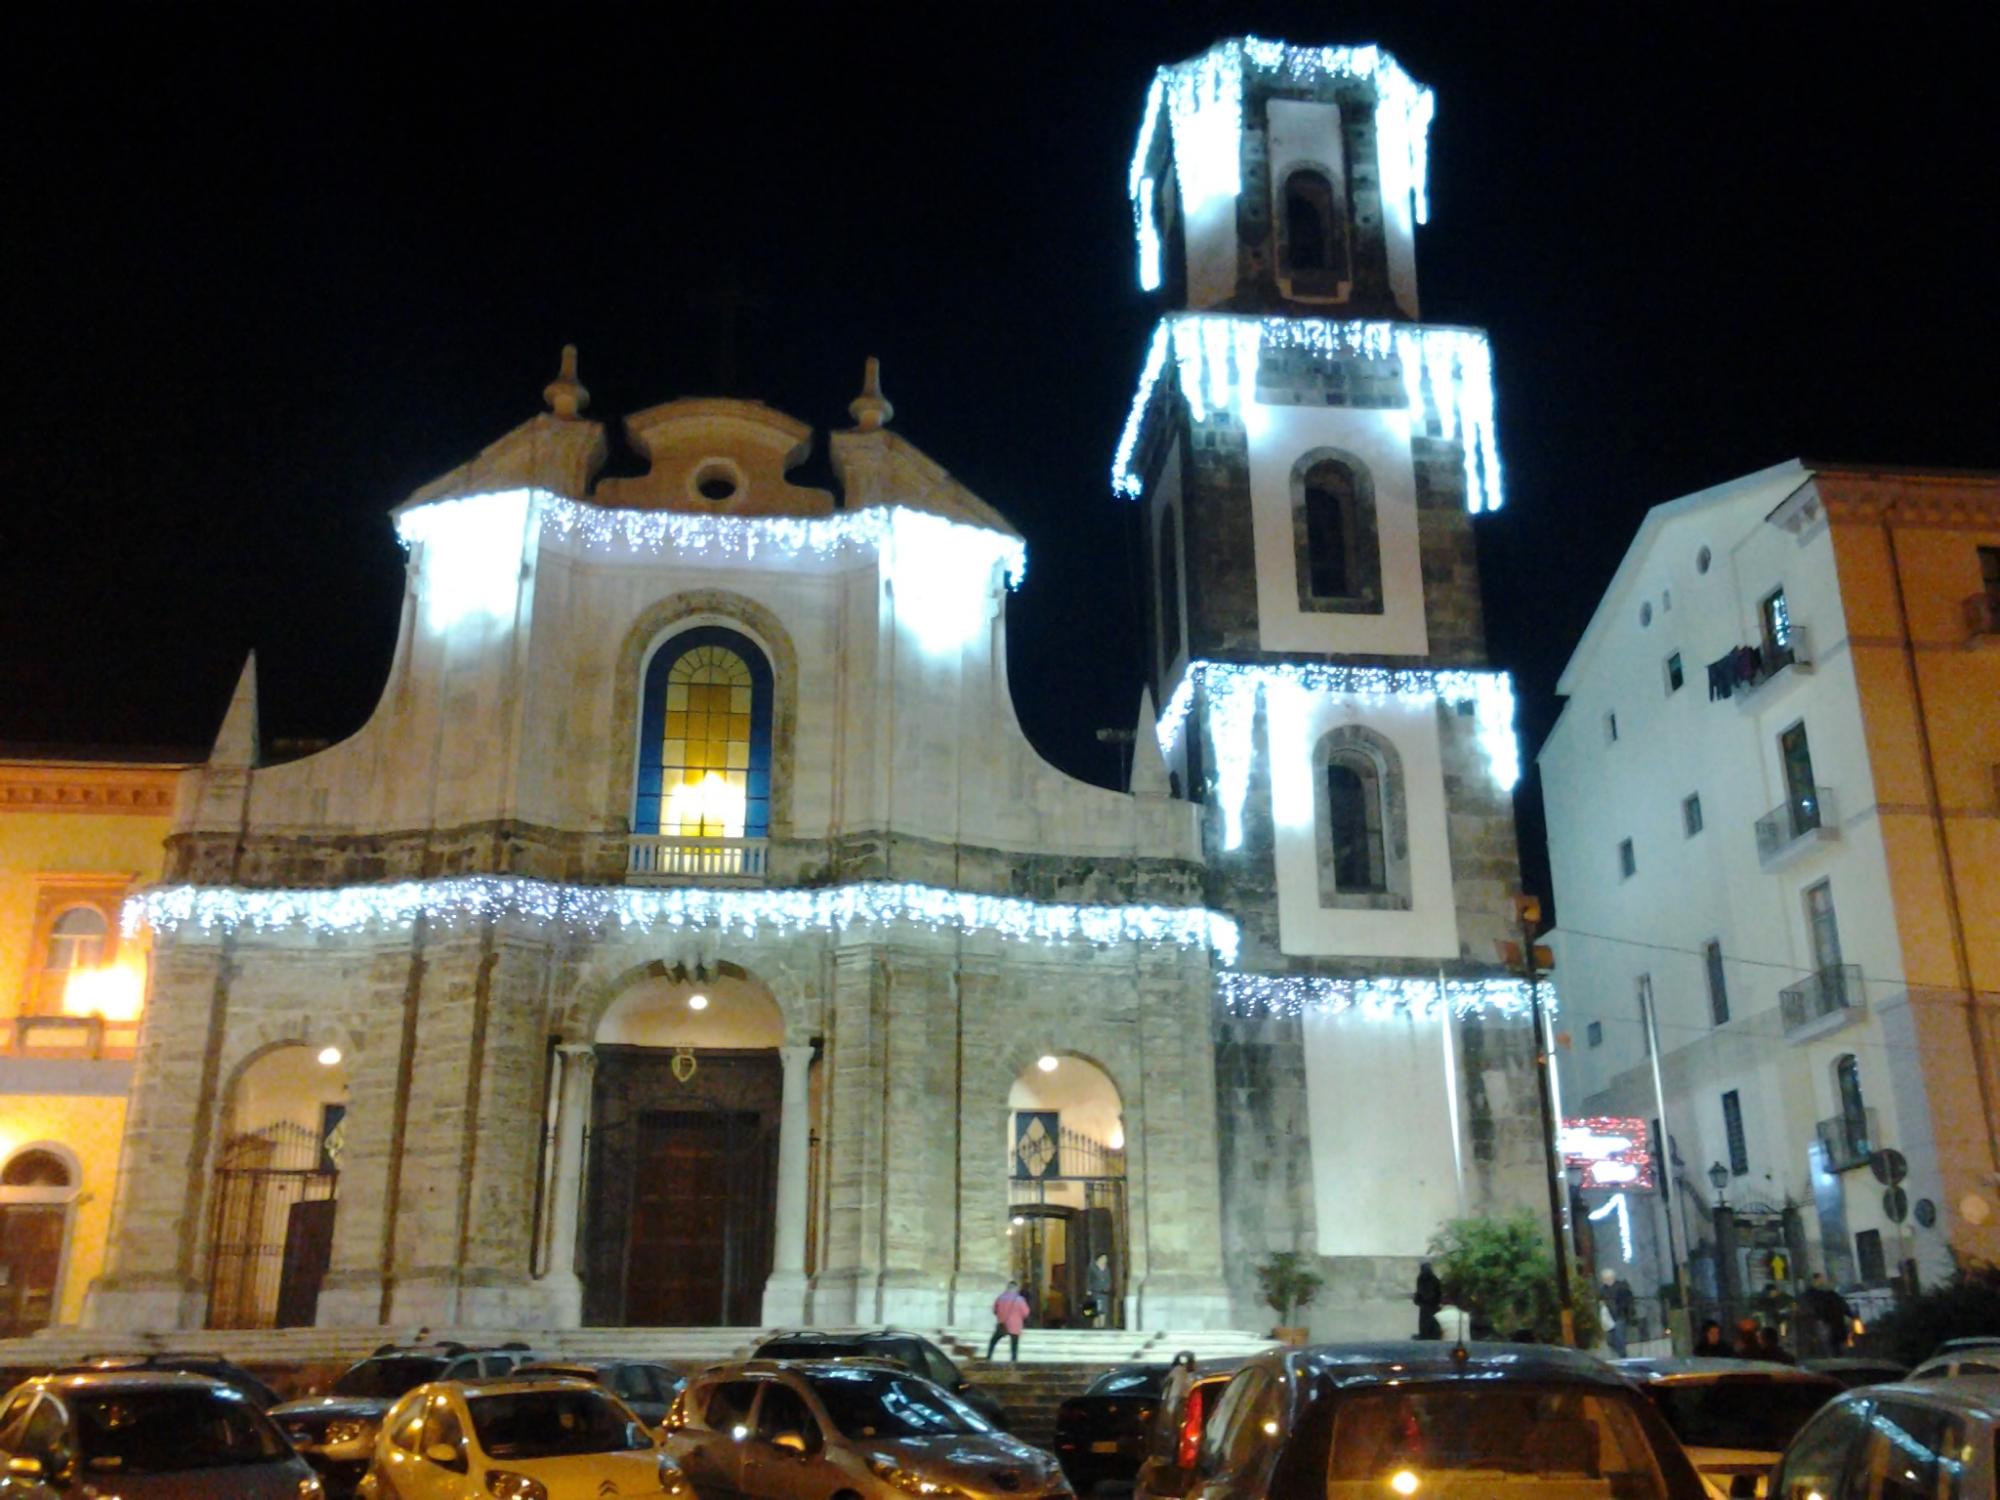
(1068,1240)
(691,1193)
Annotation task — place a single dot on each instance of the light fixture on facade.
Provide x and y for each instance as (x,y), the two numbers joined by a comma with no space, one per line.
(697,1002)
(329,1057)
(1047,1062)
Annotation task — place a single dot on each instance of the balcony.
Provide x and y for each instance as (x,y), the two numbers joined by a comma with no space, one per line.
(1796,825)
(1746,673)
(68,1038)
(1982,620)
(1848,1143)
(679,859)
(1821,1002)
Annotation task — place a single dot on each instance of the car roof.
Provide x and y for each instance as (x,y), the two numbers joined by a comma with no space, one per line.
(1366,1362)
(1697,1370)
(514,1385)
(135,1380)
(1976,1341)
(841,1335)
(1978,1394)
(741,1367)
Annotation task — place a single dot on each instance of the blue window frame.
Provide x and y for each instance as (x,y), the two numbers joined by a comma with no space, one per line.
(705,722)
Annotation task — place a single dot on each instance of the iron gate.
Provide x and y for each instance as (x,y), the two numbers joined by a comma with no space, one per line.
(268,1240)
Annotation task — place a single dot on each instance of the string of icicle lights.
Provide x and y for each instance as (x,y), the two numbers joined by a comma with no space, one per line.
(1233,690)
(1202,102)
(1216,358)
(1253,995)
(599,528)
(464,901)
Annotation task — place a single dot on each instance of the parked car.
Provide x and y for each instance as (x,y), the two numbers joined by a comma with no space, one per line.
(211,1365)
(1915,1440)
(771,1430)
(1734,1416)
(1101,1434)
(336,1432)
(647,1388)
(913,1352)
(1979,1356)
(144,1435)
(513,1439)
(1380,1421)
(1173,1442)
(1853,1370)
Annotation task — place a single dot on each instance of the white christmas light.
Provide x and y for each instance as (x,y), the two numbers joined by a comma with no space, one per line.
(943,588)
(1202,101)
(1253,995)
(471,555)
(464,900)
(1617,1203)
(1216,358)
(930,539)
(1231,692)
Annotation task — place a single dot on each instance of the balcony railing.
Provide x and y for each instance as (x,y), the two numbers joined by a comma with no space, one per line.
(674,859)
(1982,618)
(1821,1002)
(1795,825)
(68,1038)
(1743,671)
(1848,1142)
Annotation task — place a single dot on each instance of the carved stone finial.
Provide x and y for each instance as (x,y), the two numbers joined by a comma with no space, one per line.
(871,409)
(565,394)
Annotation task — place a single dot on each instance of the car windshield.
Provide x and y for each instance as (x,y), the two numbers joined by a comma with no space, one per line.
(1760,1415)
(1470,1441)
(167,1431)
(883,1404)
(826,1349)
(389,1376)
(1146,1382)
(553,1424)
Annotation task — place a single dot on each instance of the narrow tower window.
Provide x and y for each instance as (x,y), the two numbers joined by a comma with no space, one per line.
(1334,533)
(1169,573)
(1361,821)
(1354,817)
(1309,231)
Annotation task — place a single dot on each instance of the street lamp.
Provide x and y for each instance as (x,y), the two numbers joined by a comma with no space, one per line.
(1718,1176)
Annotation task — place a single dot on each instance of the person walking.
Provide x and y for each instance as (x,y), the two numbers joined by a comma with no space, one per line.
(1831,1315)
(1429,1298)
(1010,1316)
(1608,1316)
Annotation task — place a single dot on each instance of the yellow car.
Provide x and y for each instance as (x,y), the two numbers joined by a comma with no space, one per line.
(555,1439)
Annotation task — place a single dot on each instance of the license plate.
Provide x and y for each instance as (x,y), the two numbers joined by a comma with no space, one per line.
(1110,1447)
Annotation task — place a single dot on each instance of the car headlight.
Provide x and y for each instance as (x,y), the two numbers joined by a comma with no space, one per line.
(910,1481)
(504,1484)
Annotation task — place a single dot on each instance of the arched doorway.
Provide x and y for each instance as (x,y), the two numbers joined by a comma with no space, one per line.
(38,1190)
(682,1167)
(1066,1193)
(276,1181)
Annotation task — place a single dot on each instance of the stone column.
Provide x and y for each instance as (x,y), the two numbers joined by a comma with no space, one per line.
(579,1061)
(785,1292)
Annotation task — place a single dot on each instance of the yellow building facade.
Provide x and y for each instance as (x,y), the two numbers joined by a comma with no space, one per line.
(76,837)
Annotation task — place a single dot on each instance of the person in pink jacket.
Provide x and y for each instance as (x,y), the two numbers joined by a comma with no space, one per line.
(1010,1316)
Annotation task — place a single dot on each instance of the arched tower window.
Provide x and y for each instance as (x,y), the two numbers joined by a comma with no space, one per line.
(705,738)
(1361,821)
(1169,573)
(1334,534)
(1309,221)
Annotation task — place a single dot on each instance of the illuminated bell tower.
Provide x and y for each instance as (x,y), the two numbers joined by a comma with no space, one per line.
(1309,459)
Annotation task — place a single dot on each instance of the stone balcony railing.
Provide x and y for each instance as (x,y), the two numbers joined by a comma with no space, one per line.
(68,1038)
(1796,825)
(681,859)
(1821,1002)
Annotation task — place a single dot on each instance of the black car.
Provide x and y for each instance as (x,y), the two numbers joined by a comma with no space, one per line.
(336,1432)
(1380,1421)
(1856,1370)
(212,1365)
(647,1388)
(1173,1443)
(1101,1435)
(912,1351)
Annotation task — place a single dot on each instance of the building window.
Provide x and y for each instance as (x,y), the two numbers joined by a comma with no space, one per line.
(1989,576)
(1675,675)
(1645,998)
(1732,1127)
(1853,1107)
(1313,252)
(1628,862)
(1170,589)
(1594,1033)
(1775,621)
(1868,1256)
(77,940)
(1361,821)
(705,738)
(1334,534)
(1611,729)
(1691,814)
(1718,989)
(39,1186)
(73,934)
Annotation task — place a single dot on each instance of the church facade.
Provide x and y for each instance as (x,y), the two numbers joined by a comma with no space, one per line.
(692,937)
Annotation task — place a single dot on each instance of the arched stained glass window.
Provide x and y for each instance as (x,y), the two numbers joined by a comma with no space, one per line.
(705,738)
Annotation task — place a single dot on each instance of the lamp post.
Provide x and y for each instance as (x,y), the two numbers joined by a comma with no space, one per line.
(1718,1177)
(1725,1238)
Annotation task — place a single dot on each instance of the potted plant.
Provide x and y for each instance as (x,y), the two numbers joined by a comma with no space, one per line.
(1289,1282)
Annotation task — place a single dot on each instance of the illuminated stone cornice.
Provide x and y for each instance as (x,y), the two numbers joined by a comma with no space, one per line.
(70,787)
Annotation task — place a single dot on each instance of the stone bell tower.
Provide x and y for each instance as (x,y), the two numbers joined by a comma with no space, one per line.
(1309,459)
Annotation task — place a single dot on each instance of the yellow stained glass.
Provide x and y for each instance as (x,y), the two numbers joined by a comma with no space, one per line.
(705,749)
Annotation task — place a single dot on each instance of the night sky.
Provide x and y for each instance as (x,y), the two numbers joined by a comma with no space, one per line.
(267,270)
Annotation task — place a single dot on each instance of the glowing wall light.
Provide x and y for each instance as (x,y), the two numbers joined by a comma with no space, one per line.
(117,992)
(708,806)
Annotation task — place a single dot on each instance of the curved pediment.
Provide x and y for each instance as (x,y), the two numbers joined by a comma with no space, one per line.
(712,456)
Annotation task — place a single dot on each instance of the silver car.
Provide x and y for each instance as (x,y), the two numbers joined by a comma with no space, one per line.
(1915,1440)
(806,1429)
(144,1435)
